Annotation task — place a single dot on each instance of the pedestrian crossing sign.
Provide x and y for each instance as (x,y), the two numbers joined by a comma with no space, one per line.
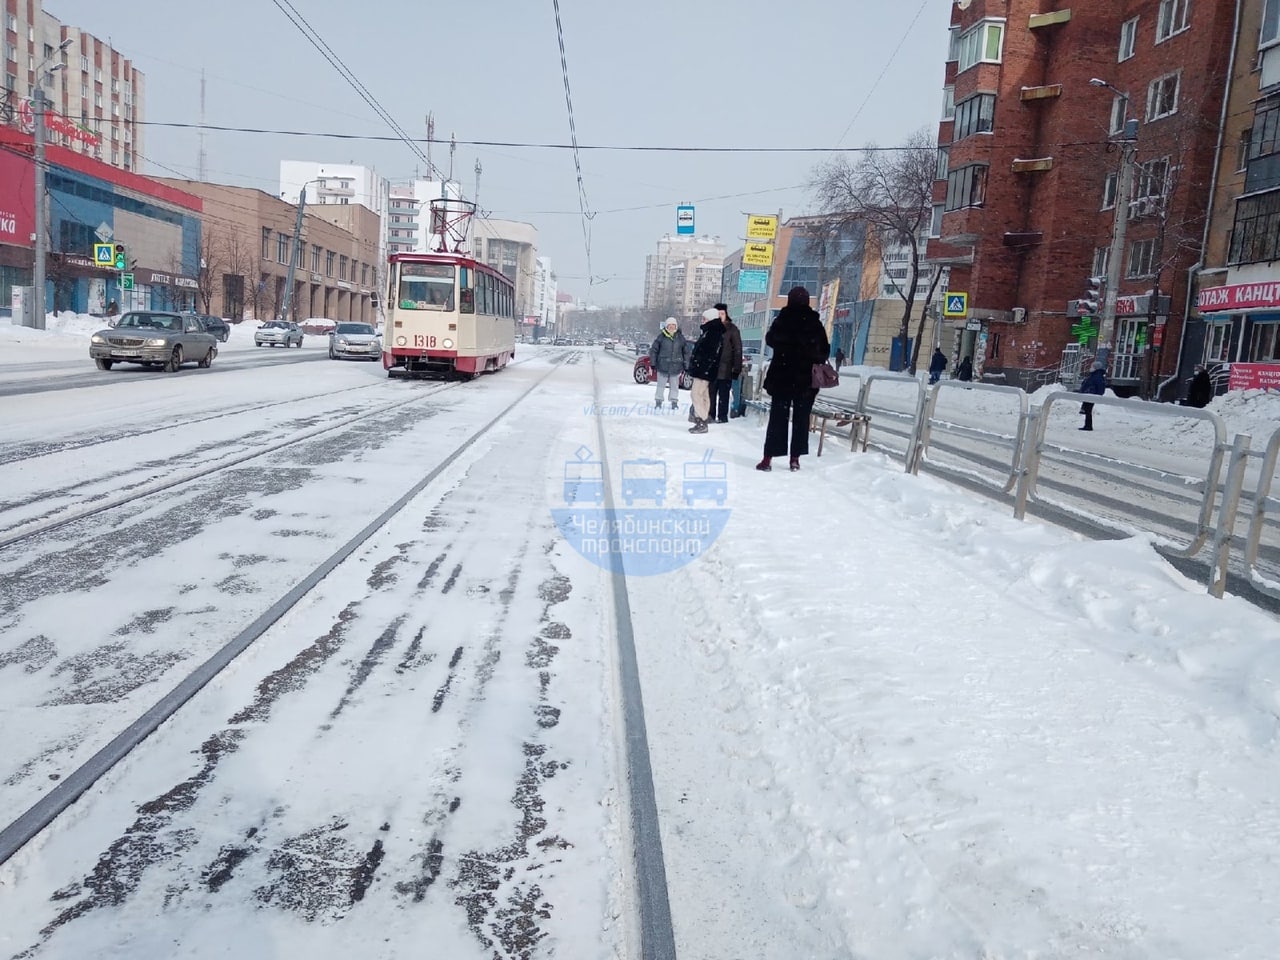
(955,305)
(104,254)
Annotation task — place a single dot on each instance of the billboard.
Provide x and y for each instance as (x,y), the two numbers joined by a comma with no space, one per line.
(17,199)
(827,304)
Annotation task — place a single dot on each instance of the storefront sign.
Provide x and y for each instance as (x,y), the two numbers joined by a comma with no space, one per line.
(1254,376)
(16,189)
(57,123)
(1140,305)
(1239,296)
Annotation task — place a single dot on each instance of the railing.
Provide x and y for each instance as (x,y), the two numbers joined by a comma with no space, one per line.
(930,421)
(1262,503)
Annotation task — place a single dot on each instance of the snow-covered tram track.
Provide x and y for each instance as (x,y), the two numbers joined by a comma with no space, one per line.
(136,492)
(70,787)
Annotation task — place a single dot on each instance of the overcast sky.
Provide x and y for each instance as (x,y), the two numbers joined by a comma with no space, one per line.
(716,73)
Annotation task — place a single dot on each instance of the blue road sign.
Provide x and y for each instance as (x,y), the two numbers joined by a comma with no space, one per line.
(684,220)
(753,281)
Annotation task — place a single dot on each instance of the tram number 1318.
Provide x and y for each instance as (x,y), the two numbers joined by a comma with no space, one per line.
(419,340)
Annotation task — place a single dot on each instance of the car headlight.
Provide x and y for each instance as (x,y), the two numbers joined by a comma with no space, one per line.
(446,343)
(156,342)
(97,339)
(342,341)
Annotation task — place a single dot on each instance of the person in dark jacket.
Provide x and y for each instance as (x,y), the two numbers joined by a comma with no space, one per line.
(965,370)
(1095,384)
(666,357)
(839,358)
(730,367)
(704,365)
(799,341)
(937,365)
(1200,389)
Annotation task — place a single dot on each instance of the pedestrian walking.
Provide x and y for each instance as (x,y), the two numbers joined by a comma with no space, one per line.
(965,370)
(839,358)
(730,367)
(666,358)
(704,364)
(799,341)
(936,365)
(1095,383)
(1200,389)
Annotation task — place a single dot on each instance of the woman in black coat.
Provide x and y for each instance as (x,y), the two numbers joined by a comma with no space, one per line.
(799,341)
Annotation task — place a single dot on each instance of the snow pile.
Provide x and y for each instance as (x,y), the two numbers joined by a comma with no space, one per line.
(64,326)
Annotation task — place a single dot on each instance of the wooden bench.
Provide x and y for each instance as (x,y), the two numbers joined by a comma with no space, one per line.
(859,424)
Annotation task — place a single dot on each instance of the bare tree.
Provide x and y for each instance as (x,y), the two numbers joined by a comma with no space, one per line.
(891,191)
(239,266)
(212,251)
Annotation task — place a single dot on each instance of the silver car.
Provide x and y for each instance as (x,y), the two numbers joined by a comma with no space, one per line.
(154,339)
(278,333)
(354,340)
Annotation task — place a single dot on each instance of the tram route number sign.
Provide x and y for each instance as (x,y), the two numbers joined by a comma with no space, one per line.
(421,340)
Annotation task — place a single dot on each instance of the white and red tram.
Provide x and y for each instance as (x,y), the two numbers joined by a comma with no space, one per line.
(447,315)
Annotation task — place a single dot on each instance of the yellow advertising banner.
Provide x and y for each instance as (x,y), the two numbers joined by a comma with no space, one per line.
(762,227)
(758,254)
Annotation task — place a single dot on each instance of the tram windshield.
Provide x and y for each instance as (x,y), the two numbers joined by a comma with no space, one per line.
(426,286)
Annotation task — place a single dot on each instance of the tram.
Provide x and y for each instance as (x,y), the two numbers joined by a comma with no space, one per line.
(448,315)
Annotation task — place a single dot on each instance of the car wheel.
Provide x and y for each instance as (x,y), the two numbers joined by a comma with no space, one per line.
(175,360)
(641,375)
(259,344)
(207,362)
(102,364)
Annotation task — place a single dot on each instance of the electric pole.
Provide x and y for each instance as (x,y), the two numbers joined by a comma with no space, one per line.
(297,255)
(42,213)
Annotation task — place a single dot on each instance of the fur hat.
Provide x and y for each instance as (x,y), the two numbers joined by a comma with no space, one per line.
(797,297)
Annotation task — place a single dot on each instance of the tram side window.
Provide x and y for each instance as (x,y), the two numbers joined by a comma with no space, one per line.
(466,292)
(426,286)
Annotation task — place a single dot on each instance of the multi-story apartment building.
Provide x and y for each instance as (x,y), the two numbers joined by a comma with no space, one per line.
(94,95)
(1030,164)
(248,243)
(512,247)
(1236,317)
(544,294)
(409,225)
(673,252)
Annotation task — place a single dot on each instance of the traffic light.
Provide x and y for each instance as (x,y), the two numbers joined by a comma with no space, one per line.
(1093,299)
(120,261)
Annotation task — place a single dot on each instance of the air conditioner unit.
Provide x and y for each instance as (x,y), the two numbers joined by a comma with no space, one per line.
(1019,314)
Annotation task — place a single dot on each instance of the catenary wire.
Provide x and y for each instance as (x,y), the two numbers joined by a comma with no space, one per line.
(584,206)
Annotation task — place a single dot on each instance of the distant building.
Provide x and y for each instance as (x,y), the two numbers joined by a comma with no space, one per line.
(544,295)
(512,247)
(408,224)
(682,274)
(96,95)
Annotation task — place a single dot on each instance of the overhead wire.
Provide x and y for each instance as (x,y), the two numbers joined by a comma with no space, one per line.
(888,63)
(584,207)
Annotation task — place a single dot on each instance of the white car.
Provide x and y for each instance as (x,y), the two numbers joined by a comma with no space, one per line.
(278,333)
(355,340)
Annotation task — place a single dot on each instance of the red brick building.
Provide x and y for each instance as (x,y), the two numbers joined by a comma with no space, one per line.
(1028,173)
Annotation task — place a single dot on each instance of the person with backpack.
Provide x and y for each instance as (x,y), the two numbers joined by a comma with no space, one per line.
(704,367)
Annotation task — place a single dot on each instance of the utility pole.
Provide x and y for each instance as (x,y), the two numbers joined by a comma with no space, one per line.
(1119,224)
(297,254)
(42,213)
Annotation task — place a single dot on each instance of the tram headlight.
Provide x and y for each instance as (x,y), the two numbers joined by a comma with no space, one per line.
(447,343)
(401,341)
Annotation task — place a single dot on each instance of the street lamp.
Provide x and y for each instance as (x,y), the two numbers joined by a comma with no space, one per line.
(297,251)
(1119,222)
(42,214)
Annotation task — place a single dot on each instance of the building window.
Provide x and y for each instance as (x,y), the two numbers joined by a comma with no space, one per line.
(266,243)
(1109,192)
(1174,17)
(11,52)
(84,64)
(1141,259)
(1255,235)
(1101,260)
(953,45)
(1128,39)
(1270,23)
(1266,345)
(980,44)
(1119,114)
(1265,133)
(967,187)
(329,258)
(1152,180)
(940,173)
(282,248)
(315,258)
(948,102)
(1218,342)
(1242,150)
(1162,96)
(364,274)
(975,115)
(342,268)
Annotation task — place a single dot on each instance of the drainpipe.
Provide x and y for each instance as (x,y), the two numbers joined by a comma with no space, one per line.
(1213,193)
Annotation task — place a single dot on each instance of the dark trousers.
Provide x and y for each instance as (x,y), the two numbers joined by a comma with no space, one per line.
(720,399)
(792,410)
(1087,410)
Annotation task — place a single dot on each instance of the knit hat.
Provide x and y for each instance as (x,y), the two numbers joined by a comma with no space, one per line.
(670,322)
(1098,365)
(720,306)
(710,314)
